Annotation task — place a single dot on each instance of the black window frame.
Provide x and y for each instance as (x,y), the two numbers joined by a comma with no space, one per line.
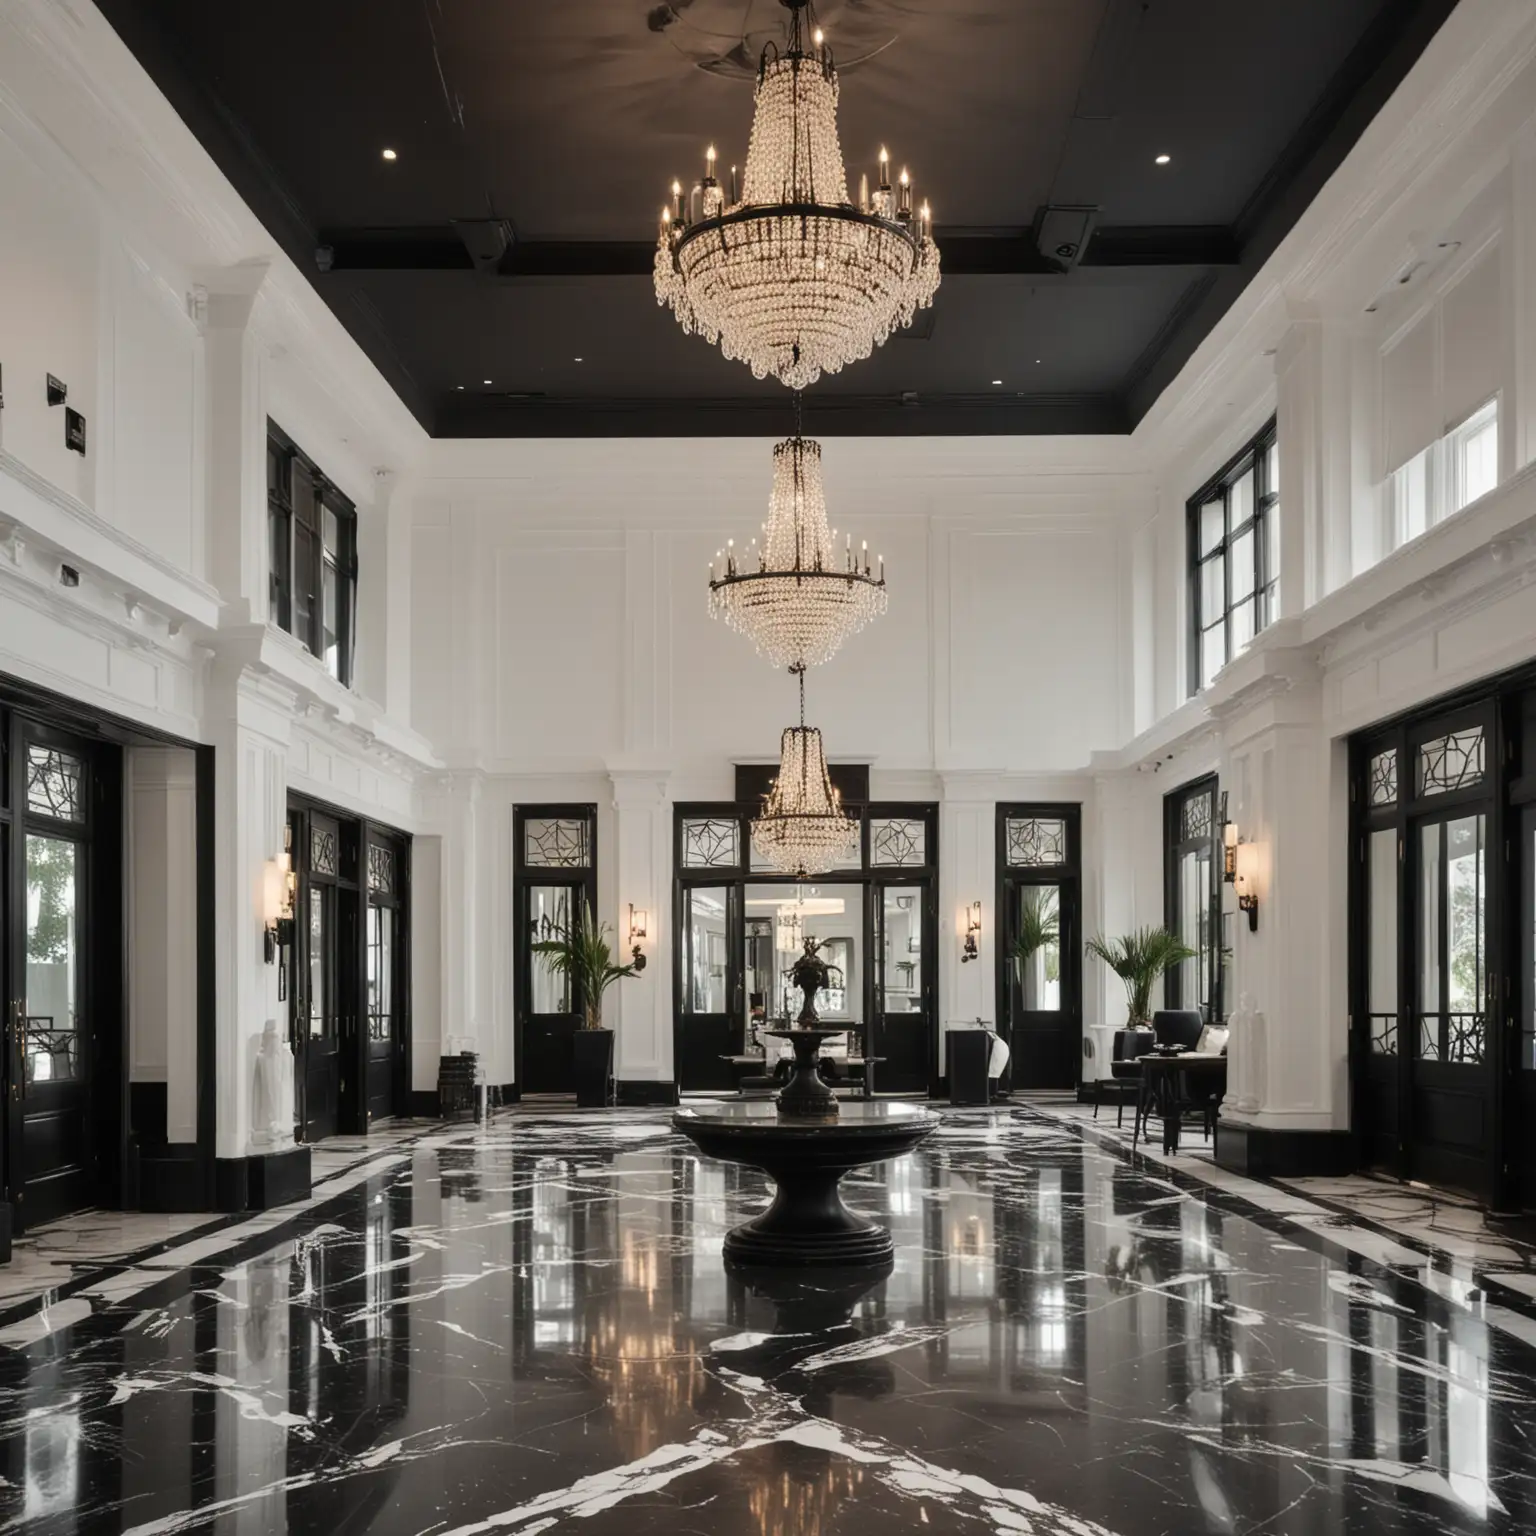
(294,523)
(1253,455)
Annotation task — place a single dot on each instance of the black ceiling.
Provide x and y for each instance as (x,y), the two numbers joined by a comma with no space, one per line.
(569,119)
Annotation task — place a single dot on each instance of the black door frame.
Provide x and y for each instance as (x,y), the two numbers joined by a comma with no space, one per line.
(524,877)
(123,1178)
(872,878)
(350,955)
(1068,878)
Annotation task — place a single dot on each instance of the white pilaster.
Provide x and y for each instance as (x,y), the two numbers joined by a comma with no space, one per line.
(967,873)
(234,367)
(1287,783)
(250,716)
(641,1006)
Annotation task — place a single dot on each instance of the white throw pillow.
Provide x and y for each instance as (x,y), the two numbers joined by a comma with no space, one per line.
(1213,1040)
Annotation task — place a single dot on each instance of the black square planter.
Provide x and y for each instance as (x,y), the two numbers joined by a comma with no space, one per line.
(593,1052)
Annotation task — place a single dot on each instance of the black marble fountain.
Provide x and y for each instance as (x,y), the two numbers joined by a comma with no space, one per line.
(805,1141)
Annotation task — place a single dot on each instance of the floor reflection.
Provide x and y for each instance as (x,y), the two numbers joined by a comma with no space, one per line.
(534,1328)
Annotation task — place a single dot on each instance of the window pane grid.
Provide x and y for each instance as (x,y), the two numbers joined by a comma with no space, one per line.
(1234,558)
(312,555)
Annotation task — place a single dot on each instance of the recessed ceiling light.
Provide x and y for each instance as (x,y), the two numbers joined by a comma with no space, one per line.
(997,381)
(458,386)
(1162,159)
(389,154)
(1037,359)
(578,359)
(485,381)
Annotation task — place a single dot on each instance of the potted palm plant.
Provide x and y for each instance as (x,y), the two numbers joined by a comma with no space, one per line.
(1039,927)
(1139,959)
(583,955)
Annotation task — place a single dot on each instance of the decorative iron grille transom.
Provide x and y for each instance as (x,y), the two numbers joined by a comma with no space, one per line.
(322,851)
(557,842)
(1198,817)
(1451,762)
(381,870)
(1034,841)
(711,843)
(55,784)
(1384,777)
(898,843)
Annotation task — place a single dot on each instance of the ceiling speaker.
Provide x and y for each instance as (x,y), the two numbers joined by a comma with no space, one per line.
(1062,233)
(486,240)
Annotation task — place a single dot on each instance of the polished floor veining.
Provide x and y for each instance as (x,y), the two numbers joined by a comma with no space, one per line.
(528,1328)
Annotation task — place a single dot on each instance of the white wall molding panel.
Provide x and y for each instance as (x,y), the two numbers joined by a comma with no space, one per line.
(642,878)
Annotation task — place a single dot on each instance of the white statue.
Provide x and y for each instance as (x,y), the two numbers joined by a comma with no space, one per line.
(1246,1025)
(272,1093)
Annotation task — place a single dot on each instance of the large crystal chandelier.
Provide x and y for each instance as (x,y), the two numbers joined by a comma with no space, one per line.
(796,596)
(789,275)
(802,830)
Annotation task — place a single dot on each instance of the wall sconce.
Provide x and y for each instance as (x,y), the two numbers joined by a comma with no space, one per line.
(1245,866)
(972,931)
(1229,841)
(279,885)
(639,922)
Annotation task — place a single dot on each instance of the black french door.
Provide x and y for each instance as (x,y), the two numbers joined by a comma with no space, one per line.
(554,878)
(62,846)
(319,1006)
(386,973)
(1431,878)
(902,926)
(1039,967)
(714,983)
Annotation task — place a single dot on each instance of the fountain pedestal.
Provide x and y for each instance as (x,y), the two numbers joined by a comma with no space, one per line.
(806,1094)
(806,1157)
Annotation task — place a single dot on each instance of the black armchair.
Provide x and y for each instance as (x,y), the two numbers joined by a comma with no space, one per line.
(1124,1070)
(1178,1026)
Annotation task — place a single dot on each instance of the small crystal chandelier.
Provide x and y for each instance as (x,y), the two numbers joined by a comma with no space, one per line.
(802,830)
(787,274)
(803,597)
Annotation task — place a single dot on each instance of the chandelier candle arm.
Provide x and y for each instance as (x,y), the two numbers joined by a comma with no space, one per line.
(790,276)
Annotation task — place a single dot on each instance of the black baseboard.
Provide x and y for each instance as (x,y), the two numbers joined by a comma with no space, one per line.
(147,1114)
(263,1181)
(511,1094)
(639,1093)
(425,1104)
(1265,1153)
(171,1179)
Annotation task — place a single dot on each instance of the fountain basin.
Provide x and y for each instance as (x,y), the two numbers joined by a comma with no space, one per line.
(806,1157)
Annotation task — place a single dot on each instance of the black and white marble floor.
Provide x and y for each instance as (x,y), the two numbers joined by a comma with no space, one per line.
(528,1329)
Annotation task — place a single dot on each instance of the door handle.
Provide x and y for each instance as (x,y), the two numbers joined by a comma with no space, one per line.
(16,1049)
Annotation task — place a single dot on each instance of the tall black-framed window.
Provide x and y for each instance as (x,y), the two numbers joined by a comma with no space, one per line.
(312,555)
(1233,539)
(554,869)
(1192,896)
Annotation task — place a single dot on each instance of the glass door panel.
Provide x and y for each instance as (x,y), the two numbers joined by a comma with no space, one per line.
(51,1048)
(318,1013)
(714,1006)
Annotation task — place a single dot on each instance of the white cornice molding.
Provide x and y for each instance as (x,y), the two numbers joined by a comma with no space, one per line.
(52,519)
